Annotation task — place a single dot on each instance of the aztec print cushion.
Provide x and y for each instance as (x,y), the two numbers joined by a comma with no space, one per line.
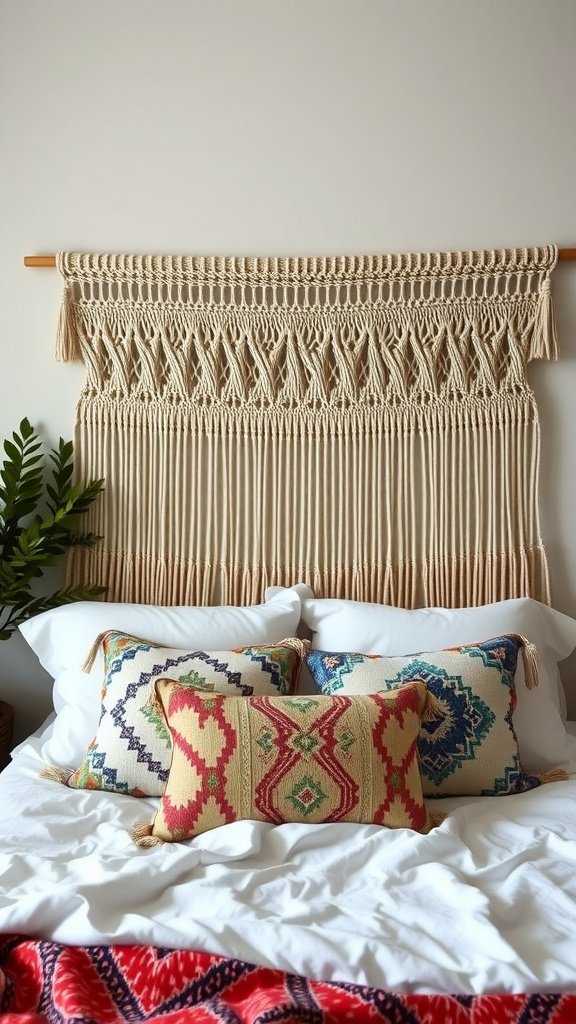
(290,759)
(61,637)
(131,750)
(471,748)
(539,716)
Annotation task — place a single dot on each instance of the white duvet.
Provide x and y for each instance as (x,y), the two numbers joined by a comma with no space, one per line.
(485,902)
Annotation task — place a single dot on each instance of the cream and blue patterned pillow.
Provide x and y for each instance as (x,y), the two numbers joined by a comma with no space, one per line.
(132,749)
(469,748)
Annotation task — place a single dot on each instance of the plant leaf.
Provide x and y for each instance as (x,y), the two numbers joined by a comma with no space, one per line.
(39,522)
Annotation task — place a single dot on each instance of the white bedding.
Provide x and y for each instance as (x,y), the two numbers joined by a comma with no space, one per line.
(485,902)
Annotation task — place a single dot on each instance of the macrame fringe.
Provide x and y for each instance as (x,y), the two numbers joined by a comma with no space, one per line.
(553,775)
(55,774)
(141,833)
(457,580)
(364,423)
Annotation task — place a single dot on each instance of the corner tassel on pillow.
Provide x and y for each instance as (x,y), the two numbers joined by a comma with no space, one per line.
(432,709)
(553,775)
(296,643)
(141,833)
(530,659)
(55,774)
(91,656)
(436,818)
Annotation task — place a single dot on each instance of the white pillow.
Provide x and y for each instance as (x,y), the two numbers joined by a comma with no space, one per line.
(62,638)
(355,626)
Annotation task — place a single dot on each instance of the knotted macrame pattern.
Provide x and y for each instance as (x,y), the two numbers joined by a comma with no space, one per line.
(364,424)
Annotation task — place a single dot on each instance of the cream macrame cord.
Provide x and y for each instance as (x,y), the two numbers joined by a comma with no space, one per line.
(361,423)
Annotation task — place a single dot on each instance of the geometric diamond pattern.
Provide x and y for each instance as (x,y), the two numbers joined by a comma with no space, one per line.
(462,724)
(307,795)
(467,745)
(132,749)
(280,759)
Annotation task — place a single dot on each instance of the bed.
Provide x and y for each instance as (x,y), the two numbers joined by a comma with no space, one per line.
(329,920)
(349,799)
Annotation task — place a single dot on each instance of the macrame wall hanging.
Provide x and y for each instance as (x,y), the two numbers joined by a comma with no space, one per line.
(363,424)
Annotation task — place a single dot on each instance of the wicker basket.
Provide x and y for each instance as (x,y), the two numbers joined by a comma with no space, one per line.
(6,729)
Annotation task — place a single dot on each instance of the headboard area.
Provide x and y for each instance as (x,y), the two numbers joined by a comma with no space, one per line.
(363,424)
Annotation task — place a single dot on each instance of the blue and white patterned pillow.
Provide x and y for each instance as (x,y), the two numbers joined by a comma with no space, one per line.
(132,750)
(468,747)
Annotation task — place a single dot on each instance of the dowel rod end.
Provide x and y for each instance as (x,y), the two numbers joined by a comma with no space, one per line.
(39,261)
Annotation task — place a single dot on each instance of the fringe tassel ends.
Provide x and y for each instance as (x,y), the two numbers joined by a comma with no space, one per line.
(530,661)
(141,833)
(553,775)
(55,774)
(67,341)
(436,818)
(545,338)
(95,647)
(432,708)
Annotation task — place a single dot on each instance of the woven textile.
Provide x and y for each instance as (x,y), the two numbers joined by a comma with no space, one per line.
(298,759)
(131,751)
(361,423)
(48,983)
(469,748)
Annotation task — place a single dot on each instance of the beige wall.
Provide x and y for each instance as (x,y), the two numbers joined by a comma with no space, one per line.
(261,126)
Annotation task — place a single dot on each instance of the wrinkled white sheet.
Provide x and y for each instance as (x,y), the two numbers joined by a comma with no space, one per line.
(486,902)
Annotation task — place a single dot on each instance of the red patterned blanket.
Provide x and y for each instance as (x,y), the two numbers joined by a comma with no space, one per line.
(47,983)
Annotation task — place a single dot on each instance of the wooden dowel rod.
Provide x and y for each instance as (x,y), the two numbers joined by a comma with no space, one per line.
(39,261)
(50,261)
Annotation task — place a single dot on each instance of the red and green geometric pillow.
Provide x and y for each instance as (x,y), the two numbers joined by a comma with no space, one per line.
(306,759)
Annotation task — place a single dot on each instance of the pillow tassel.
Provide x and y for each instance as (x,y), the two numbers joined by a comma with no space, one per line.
(553,775)
(432,708)
(297,644)
(55,774)
(141,833)
(436,818)
(530,659)
(91,656)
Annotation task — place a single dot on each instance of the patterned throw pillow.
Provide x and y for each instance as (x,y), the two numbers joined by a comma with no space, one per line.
(300,759)
(471,748)
(131,751)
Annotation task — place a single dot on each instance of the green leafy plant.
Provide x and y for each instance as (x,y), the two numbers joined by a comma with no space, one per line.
(40,513)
